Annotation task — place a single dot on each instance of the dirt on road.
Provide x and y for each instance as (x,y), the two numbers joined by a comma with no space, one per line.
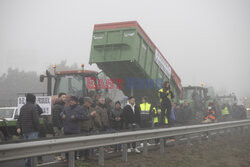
(226,152)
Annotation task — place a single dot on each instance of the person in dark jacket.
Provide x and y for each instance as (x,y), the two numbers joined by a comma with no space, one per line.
(109,106)
(166,96)
(116,116)
(131,118)
(72,116)
(56,118)
(28,121)
(87,125)
(186,113)
(57,121)
(131,114)
(103,113)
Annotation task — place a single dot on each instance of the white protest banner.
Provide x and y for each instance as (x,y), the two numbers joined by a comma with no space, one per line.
(162,64)
(43,101)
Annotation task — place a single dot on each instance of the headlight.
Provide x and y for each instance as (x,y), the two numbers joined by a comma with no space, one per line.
(248,109)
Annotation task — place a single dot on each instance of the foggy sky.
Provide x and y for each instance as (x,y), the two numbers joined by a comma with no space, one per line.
(204,40)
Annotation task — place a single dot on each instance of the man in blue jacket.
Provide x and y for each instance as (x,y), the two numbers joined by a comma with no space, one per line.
(72,116)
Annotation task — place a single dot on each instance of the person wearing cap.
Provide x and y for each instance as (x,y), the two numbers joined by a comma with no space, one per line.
(145,113)
(28,121)
(103,113)
(72,116)
(116,117)
(87,125)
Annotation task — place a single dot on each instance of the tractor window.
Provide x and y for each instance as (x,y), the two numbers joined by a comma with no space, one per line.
(71,85)
(187,93)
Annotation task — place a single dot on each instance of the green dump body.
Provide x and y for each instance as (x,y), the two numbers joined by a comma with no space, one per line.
(124,51)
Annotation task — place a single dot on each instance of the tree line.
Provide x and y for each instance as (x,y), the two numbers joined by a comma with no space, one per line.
(16,82)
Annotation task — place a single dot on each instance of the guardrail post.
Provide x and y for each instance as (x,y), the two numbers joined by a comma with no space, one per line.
(101,156)
(232,131)
(227,132)
(236,130)
(245,130)
(241,130)
(145,148)
(188,136)
(71,159)
(33,162)
(125,152)
(209,135)
(162,146)
(176,140)
(217,135)
(199,137)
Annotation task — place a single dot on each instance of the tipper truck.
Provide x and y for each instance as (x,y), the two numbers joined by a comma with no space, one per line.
(125,53)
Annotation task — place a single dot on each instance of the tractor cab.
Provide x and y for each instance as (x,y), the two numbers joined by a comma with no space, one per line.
(78,83)
(195,93)
(197,97)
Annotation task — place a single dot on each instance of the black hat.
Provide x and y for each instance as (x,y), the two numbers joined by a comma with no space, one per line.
(30,98)
(117,102)
(145,97)
(74,98)
(131,97)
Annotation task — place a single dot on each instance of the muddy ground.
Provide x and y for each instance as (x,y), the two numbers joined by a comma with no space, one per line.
(226,152)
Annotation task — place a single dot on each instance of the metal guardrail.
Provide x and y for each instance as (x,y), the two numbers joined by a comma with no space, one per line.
(46,147)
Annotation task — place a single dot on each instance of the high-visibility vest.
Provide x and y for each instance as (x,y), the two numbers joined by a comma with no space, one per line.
(145,108)
(156,118)
(225,111)
(161,91)
(166,120)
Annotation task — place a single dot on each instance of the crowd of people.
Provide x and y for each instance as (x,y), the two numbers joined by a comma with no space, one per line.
(97,114)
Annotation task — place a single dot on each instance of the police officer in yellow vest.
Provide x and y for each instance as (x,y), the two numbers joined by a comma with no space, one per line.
(157,116)
(165,95)
(145,113)
(225,113)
